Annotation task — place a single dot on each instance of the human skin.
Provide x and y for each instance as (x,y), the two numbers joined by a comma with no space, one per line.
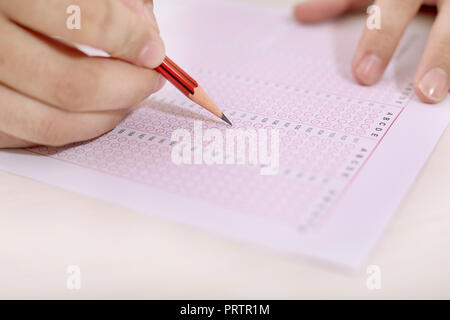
(376,47)
(52,94)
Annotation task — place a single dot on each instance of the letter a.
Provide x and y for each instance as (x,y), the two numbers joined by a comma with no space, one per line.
(74,20)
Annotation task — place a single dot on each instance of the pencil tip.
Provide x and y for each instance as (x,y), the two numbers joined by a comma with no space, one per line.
(224,118)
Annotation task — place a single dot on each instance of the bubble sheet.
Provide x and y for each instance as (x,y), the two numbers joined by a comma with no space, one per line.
(347,153)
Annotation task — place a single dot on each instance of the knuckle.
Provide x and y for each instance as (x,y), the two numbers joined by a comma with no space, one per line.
(121,35)
(105,19)
(387,40)
(383,41)
(132,40)
(106,16)
(442,46)
(50,132)
(438,51)
(99,17)
(77,89)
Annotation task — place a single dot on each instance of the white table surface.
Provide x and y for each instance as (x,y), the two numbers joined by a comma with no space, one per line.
(126,254)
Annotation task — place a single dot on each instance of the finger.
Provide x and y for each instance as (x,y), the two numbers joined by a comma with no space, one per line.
(432,81)
(317,10)
(377,46)
(143,8)
(7,141)
(109,25)
(151,14)
(38,123)
(65,78)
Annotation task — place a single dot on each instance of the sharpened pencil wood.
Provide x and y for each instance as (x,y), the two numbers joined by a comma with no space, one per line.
(188,86)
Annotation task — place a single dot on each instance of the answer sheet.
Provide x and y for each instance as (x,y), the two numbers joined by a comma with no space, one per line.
(348,154)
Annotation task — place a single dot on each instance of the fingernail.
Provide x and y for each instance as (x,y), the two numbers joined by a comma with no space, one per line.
(370,69)
(152,55)
(159,83)
(150,16)
(434,85)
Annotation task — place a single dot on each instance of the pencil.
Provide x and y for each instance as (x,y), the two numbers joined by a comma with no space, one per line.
(187,85)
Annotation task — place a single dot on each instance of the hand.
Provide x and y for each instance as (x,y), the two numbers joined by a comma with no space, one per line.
(52,94)
(432,79)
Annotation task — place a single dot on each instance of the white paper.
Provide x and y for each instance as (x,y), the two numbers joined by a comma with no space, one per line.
(338,184)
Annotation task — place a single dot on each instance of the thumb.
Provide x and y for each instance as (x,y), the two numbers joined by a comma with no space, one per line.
(153,52)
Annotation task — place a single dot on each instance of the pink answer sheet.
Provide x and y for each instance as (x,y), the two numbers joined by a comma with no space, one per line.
(348,154)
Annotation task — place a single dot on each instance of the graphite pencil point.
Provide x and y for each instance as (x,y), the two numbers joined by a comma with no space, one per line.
(224,118)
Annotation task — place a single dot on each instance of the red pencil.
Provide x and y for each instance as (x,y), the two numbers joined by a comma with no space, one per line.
(189,87)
